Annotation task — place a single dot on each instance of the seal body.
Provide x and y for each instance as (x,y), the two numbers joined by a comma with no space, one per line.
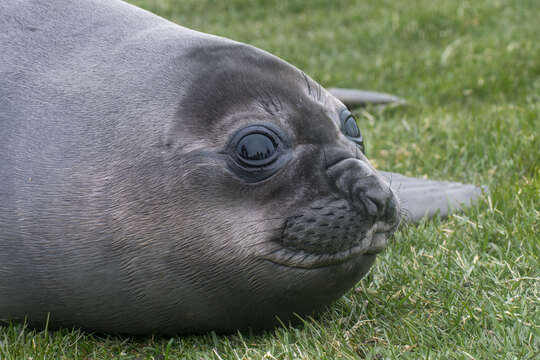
(155,179)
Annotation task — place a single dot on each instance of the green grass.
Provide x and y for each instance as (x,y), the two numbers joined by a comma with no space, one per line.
(464,288)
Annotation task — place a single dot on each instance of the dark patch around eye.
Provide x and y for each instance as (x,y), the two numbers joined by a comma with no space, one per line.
(257,152)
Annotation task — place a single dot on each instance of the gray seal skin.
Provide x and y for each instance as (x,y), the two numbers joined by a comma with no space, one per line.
(155,179)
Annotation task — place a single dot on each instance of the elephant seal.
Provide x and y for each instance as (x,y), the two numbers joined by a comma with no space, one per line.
(157,179)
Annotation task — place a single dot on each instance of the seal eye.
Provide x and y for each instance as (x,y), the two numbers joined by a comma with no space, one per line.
(350,128)
(257,152)
(256,148)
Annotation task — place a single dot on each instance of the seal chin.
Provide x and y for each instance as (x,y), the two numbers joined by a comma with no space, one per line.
(371,243)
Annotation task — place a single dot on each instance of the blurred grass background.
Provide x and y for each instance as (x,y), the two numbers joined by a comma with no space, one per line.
(464,288)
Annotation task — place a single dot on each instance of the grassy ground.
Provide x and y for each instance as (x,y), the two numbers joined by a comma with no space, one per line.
(464,288)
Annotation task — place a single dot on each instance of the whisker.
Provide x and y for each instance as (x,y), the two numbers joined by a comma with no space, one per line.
(390,182)
(319,92)
(272,100)
(307,83)
(398,189)
(404,214)
(280,104)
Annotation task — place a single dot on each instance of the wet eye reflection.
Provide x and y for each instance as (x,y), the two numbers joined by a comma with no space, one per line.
(256,147)
(257,152)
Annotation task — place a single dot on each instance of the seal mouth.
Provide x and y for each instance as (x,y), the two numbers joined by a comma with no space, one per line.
(372,243)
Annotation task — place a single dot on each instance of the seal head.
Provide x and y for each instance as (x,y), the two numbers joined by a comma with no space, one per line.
(286,185)
(160,180)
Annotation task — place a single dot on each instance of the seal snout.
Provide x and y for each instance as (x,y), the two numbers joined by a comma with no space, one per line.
(355,220)
(365,190)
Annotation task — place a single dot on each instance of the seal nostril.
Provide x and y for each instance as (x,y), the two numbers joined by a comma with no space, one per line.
(378,200)
(373,205)
(363,188)
(372,200)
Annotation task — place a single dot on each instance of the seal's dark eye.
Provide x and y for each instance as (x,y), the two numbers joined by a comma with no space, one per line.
(256,148)
(257,152)
(350,129)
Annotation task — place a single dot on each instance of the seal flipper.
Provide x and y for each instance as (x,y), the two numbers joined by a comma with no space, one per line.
(355,98)
(423,198)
